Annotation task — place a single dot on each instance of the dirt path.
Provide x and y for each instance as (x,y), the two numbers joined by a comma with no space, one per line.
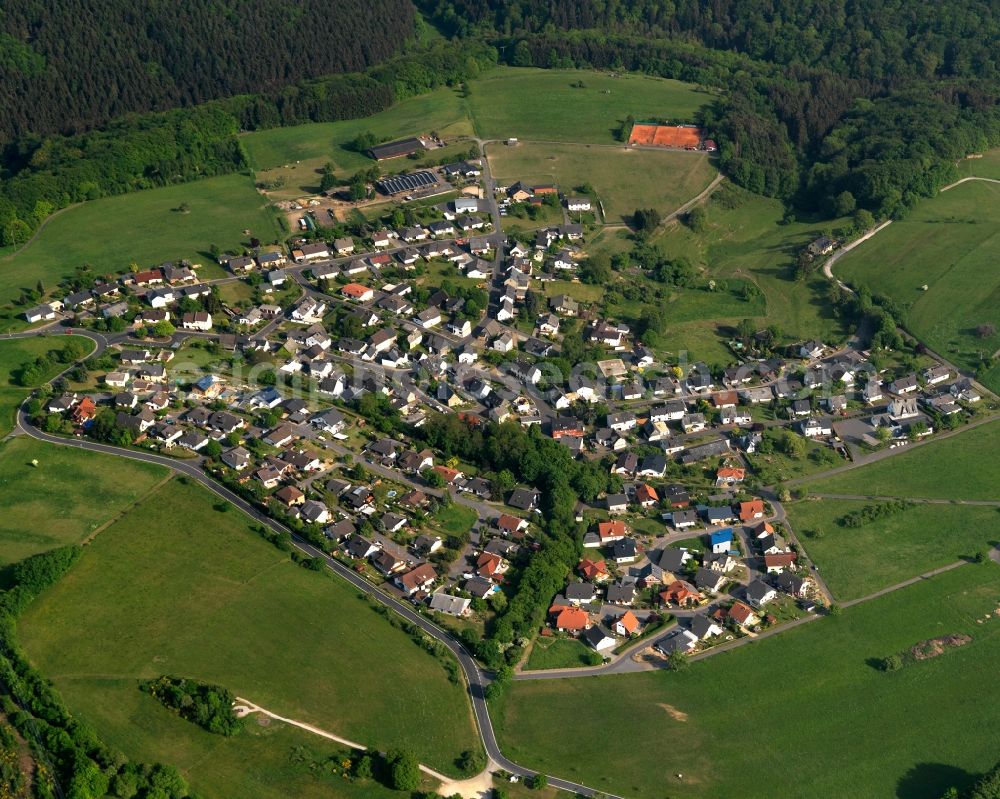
(960,181)
(478,787)
(904,584)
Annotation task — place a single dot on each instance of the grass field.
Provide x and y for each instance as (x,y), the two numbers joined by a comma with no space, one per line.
(746,238)
(623,179)
(13,354)
(802,714)
(542,104)
(857,561)
(560,653)
(584,292)
(177,586)
(963,466)
(142,227)
(949,243)
(65,498)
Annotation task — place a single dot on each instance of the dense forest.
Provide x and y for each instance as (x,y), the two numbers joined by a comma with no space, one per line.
(827,104)
(877,40)
(67,66)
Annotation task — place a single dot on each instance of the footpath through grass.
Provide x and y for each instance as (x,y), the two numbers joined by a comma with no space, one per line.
(266,761)
(180,586)
(65,498)
(950,244)
(986,167)
(144,227)
(747,238)
(803,714)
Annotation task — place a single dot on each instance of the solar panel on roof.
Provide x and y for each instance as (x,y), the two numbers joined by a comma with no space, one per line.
(401,183)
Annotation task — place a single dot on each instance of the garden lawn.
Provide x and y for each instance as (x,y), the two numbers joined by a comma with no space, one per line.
(14,353)
(64,499)
(623,179)
(858,561)
(543,104)
(143,227)
(456,519)
(802,714)
(560,653)
(178,586)
(962,466)
(950,244)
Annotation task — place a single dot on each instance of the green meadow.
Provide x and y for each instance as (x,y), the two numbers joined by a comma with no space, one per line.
(623,179)
(967,459)
(66,497)
(858,561)
(181,585)
(552,105)
(144,227)
(950,244)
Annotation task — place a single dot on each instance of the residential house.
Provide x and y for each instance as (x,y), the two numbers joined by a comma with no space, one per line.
(677,640)
(751,510)
(709,580)
(721,540)
(616,503)
(760,593)
(626,625)
(777,563)
(418,579)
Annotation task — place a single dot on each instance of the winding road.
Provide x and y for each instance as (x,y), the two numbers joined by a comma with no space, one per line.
(476,678)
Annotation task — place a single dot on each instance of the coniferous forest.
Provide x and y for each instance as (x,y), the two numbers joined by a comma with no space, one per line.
(69,65)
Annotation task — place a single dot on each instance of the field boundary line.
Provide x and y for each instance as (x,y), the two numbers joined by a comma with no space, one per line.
(126,510)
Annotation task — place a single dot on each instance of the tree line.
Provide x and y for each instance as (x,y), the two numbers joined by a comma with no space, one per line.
(72,65)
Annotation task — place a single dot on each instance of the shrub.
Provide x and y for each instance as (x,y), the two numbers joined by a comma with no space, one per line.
(208,706)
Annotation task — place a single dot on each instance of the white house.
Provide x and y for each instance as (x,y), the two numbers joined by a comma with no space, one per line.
(199,320)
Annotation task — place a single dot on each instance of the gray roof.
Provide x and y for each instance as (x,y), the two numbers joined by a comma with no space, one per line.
(579,592)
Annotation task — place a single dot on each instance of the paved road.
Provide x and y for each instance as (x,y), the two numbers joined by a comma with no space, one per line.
(828,266)
(476,679)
